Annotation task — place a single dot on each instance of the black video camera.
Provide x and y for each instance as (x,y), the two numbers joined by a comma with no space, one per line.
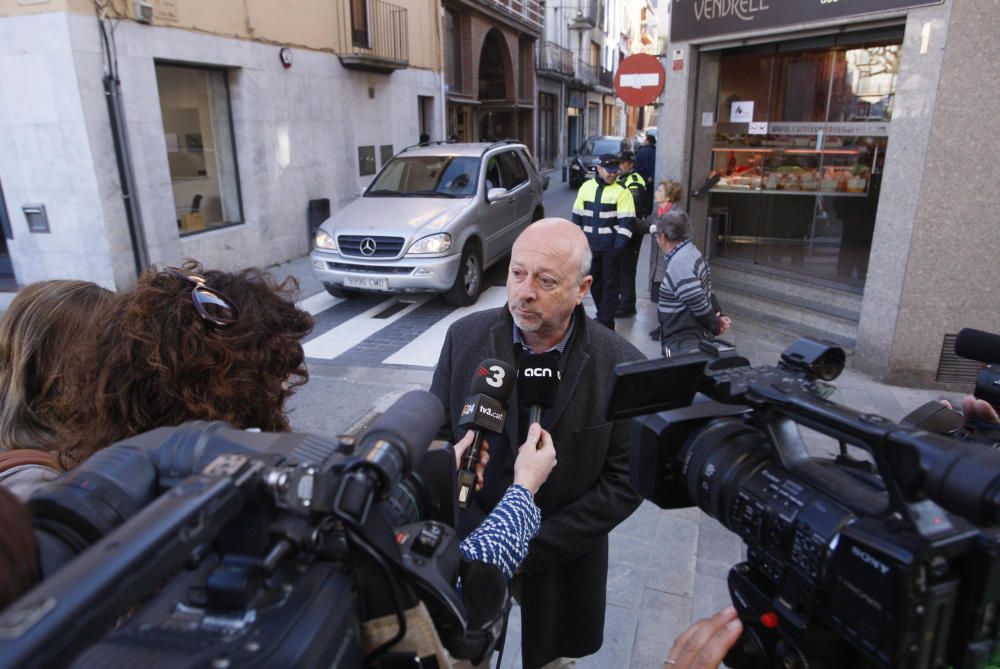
(888,562)
(215,547)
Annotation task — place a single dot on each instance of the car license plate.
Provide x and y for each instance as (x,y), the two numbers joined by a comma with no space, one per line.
(371,282)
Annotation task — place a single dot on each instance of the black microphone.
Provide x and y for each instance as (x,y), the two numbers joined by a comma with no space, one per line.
(483,412)
(538,382)
(398,439)
(978,345)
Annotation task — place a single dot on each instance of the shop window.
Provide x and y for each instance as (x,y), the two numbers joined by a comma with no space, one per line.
(201,155)
(799,150)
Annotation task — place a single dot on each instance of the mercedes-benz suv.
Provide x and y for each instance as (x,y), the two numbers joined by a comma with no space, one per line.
(434,219)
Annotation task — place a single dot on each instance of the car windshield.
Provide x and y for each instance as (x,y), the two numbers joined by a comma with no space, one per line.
(598,147)
(427,176)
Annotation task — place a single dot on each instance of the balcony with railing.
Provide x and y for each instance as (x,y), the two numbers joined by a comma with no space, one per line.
(606,78)
(555,59)
(586,73)
(528,12)
(373,35)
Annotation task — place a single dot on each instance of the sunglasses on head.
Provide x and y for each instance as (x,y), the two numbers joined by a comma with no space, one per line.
(211,305)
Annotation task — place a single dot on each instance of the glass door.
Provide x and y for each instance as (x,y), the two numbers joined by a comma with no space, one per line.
(799,151)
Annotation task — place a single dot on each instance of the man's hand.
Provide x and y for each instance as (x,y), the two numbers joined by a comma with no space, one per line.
(725,322)
(535,459)
(705,644)
(484,456)
(975,409)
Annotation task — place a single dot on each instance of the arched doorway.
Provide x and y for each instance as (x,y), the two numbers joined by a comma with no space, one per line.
(496,119)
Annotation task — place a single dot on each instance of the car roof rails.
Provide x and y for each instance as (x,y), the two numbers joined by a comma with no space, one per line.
(501,142)
(437,141)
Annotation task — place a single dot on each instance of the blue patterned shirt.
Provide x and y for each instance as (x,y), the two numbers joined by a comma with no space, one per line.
(502,538)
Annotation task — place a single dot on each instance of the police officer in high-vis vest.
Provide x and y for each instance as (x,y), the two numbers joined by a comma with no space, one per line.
(636,185)
(605,211)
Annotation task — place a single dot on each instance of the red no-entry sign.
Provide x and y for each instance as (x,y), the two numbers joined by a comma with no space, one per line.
(639,80)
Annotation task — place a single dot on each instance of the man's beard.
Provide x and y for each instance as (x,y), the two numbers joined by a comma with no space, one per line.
(532,326)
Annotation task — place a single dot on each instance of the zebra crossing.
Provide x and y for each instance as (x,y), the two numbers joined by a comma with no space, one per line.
(391,330)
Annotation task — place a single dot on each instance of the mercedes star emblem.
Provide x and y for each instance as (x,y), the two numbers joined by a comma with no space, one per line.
(367,246)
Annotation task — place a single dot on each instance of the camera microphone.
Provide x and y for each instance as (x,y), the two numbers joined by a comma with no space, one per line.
(978,345)
(538,383)
(483,412)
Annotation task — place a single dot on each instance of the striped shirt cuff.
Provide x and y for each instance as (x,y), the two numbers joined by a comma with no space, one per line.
(502,538)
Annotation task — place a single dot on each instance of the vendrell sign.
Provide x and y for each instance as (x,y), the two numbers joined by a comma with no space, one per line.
(698,19)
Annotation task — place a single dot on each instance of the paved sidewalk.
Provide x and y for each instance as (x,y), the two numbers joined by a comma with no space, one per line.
(668,568)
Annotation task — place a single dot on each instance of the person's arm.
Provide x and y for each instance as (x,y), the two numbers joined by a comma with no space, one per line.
(502,539)
(441,383)
(572,530)
(579,208)
(688,289)
(625,209)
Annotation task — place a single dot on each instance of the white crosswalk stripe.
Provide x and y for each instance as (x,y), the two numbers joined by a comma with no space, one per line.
(337,340)
(319,302)
(424,350)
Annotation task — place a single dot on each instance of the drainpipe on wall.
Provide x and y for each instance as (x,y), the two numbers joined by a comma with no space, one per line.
(123,153)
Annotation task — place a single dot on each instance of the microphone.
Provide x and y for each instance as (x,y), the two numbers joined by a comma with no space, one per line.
(483,412)
(398,439)
(538,383)
(978,345)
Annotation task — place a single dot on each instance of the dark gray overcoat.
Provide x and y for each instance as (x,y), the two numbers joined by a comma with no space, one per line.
(588,493)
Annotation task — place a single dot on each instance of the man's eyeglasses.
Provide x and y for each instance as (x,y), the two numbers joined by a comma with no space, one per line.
(211,305)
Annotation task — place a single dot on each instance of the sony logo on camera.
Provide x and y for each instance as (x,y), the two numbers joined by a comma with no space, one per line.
(870,560)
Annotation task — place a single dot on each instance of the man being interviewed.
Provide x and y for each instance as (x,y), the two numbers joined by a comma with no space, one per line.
(564,577)
(605,211)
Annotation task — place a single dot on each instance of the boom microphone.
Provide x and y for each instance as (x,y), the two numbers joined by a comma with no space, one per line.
(483,412)
(978,345)
(538,383)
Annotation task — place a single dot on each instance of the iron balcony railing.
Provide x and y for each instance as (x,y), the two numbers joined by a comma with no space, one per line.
(586,73)
(606,78)
(376,30)
(554,58)
(528,11)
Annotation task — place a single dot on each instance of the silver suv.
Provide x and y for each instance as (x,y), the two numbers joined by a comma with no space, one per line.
(433,219)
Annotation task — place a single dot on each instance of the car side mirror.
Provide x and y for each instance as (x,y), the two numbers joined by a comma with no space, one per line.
(494,194)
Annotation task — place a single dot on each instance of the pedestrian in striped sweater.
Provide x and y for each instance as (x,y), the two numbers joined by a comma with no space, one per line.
(688,311)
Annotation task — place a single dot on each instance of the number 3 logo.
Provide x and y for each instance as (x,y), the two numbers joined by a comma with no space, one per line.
(497,379)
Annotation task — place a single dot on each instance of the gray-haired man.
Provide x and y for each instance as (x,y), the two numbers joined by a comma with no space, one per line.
(688,311)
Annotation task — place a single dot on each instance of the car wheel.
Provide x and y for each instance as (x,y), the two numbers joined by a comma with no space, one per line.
(537,215)
(340,291)
(574,183)
(469,281)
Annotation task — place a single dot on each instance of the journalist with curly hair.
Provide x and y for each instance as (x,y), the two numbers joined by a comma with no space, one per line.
(189,344)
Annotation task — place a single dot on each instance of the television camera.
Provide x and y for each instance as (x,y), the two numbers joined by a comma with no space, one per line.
(215,547)
(887,560)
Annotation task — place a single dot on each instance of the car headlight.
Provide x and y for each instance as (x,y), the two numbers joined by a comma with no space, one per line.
(325,241)
(438,243)
(575,166)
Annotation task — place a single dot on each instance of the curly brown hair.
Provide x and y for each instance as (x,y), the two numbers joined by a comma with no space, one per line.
(38,334)
(159,363)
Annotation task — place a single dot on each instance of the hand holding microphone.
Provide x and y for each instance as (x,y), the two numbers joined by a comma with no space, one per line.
(535,459)
(483,412)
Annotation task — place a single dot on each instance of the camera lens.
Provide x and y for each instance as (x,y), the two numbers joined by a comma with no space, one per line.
(720,457)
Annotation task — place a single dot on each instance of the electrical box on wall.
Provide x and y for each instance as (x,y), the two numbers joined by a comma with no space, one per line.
(142,10)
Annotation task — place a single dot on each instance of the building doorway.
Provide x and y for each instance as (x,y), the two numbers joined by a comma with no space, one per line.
(799,191)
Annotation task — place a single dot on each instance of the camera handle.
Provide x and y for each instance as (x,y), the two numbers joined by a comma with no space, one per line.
(788,401)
